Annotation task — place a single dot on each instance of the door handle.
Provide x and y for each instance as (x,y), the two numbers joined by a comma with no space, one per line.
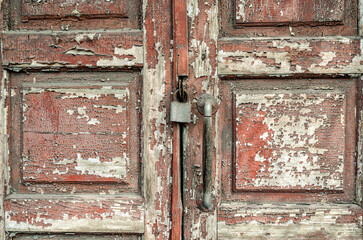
(207,105)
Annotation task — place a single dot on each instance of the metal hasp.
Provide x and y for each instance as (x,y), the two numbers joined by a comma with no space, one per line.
(206,104)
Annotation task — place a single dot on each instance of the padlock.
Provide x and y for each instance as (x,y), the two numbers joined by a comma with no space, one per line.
(180,110)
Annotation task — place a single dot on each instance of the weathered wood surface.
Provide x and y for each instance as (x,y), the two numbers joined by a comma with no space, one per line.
(87,213)
(284,158)
(75,158)
(278,57)
(288,18)
(202,78)
(100,132)
(157,130)
(59,50)
(71,110)
(289,221)
(77,9)
(271,12)
(292,141)
(72,236)
(73,15)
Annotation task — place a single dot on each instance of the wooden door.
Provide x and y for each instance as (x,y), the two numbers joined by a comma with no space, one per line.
(287,150)
(85,142)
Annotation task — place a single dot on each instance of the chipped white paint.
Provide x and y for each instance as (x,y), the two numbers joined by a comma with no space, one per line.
(297,158)
(116,168)
(301,46)
(359,187)
(83,93)
(4,151)
(313,219)
(213,22)
(360,15)
(240,13)
(136,53)
(70,112)
(82,113)
(250,63)
(80,51)
(155,141)
(117,108)
(201,64)
(119,220)
(93,121)
(80,37)
(192,9)
(153,119)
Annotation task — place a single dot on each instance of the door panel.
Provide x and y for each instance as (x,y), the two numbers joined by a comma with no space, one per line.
(285,130)
(288,136)
(78,237)
(79,157)
(287,18)
(74,15)
(292,221)
(87,147)
(274,12)
(74,134)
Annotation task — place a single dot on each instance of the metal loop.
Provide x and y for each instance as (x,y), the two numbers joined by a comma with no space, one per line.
(181,95)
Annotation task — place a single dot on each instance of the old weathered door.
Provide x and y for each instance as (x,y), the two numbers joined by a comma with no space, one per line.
(85,142)
(286,153)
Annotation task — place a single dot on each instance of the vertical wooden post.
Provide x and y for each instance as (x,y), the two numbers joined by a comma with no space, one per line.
(180,69)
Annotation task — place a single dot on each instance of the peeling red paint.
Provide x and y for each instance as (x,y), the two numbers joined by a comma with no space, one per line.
(84,213)
(253,132)
(101,50)
(292,18)
(273,12)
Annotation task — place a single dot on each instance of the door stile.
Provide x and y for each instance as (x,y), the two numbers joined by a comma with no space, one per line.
(202,79)
(3,128)
(359,181)
(157,131)
(180,71)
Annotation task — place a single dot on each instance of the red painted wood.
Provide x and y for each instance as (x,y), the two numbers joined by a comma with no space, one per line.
(76,213)
(264,57)
(74,15)
(75,9)
(180,68)
(267,12)
(287,18)
(72,110)
(276,160)
(95,50)
(180,37)
(78,237)
(76,158)
(76,128)
(177,207)
(292,142)
(158,81)
(75,133)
